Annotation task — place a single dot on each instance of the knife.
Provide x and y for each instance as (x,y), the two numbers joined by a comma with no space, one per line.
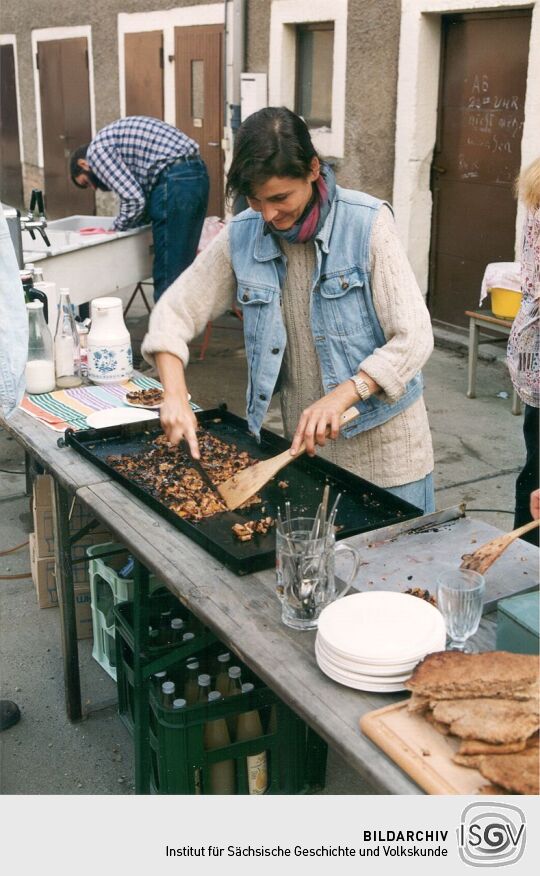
(200,469)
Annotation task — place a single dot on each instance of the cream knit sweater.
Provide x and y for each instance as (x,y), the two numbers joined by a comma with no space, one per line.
(395,453)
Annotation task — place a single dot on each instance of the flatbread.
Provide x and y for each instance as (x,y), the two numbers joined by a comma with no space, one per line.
(442,728)
(452,675)
(490,720)
(476,746)
(515,772)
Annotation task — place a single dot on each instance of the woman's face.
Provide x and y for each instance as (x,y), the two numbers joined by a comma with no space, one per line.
(282,199)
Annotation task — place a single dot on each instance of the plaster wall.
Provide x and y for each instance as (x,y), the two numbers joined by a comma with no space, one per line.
(416,117)
(102,16)
(372,64)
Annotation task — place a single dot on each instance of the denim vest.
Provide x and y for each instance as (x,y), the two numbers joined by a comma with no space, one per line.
(344,324)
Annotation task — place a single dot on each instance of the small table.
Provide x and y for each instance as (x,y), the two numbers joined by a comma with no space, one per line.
(485,319)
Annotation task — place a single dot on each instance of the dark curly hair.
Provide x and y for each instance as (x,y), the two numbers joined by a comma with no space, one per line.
(272,142)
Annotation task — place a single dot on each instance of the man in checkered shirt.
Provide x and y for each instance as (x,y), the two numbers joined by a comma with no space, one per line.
(160,177)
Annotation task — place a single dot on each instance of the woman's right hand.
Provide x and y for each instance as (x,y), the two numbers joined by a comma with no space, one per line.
(177,419)
(179,422)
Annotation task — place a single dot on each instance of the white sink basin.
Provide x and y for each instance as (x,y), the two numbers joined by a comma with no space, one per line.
(90,265)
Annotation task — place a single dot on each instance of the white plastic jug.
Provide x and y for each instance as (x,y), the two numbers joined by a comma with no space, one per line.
(110,359)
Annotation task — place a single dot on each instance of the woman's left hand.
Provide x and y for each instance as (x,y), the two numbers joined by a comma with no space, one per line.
(321,420)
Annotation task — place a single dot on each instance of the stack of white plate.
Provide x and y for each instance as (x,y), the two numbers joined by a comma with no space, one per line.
(373,641)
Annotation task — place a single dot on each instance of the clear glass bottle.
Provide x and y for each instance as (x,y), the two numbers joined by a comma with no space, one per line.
(222,674)
(158,678)
(216,735)
(67,352)
(165,627)
(233,689)
(168,691)
(177,626)
(204,687)
(191,686)
(249,726)
(39,370)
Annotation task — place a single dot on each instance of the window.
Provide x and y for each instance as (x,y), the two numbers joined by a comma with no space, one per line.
(314,73)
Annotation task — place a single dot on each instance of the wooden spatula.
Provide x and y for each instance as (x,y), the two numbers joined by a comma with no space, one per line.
(246,483)
(485,556)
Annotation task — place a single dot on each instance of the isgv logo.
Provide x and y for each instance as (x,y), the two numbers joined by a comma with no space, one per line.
(491,834)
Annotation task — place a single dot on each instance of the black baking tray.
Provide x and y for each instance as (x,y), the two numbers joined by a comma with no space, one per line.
(363,506)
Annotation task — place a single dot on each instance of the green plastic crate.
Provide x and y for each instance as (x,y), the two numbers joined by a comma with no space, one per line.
(107,589)
(296,756)
(156,657)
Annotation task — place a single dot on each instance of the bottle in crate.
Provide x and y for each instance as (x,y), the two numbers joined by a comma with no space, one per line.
(191,687)
(234,688)
(158,678)
(168,690)
(204,681)
(177,626)
(222,673)
(216,735)
(179,703)
(165,618)
(248,727)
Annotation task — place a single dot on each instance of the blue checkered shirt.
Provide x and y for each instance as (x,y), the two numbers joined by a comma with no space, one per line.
(128,157)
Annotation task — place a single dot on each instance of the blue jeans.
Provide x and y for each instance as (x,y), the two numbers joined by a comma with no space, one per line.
(177,207)
(420,493)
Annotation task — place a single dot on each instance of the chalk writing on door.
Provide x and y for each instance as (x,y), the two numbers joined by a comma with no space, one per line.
(493,123)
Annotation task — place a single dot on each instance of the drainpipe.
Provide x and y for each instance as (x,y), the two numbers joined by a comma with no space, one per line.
(239,55)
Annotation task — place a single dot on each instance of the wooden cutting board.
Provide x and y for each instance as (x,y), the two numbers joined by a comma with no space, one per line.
(420,750)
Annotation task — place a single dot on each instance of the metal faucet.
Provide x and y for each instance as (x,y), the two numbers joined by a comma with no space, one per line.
(32,222)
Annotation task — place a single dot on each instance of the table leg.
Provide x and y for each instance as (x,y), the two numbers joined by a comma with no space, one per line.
(140,680)
(474,332)
(516,404)
(66,602)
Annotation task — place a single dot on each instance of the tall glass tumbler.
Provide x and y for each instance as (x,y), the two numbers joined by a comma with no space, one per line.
(460,598)
(305,570)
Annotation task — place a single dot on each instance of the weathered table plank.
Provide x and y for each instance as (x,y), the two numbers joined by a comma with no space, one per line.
(41,442)
(245,613)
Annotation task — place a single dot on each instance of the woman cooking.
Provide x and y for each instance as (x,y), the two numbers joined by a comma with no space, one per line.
(330,307)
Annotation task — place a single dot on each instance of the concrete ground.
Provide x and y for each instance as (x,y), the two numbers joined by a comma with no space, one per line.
(478,449)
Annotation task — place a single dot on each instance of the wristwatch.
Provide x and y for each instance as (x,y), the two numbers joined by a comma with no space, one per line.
(361,387)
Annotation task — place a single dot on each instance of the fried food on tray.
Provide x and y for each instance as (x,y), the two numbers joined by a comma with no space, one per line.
(246,531)
(147,397)
(165,471)
(422,594)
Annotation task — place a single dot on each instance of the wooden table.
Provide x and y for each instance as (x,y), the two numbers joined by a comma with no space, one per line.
(242,611)
(485,320)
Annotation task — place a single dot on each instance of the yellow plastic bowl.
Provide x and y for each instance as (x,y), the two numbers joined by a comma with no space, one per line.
(505,302)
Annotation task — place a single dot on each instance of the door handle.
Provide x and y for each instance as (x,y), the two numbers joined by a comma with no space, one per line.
(438,169)
(213,144)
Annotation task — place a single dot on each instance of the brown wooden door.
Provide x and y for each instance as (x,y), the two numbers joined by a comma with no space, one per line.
(144,74)
(199,99)
(65,122)
(11,185)
(477,156)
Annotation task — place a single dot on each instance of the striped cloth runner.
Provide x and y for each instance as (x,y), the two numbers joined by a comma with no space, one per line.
(69,408)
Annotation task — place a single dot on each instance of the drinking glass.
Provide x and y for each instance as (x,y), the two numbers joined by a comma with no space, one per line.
(460,597)
(305,568)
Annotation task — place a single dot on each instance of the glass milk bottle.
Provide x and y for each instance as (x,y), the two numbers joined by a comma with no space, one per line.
(110,357)
(249,727)
(67,351)
(39,371)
